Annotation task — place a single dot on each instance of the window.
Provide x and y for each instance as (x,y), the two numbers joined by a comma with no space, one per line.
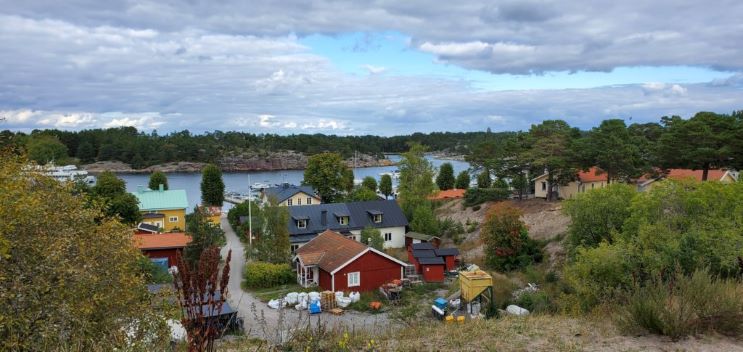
(299,201)
(294,248)
(161,262)
(377,218)
(289,202)
(173,219)
(593,184)
(388,236)
(343,220)
(302,224)
(544,186)
(354,279)
(309,200)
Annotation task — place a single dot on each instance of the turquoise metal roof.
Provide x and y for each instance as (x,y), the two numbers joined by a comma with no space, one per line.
(162,200)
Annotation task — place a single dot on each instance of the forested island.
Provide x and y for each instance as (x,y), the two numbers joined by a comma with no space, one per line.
(125,149)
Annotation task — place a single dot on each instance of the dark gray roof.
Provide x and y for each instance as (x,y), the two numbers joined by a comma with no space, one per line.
(423,253)
(429,261)
(374,212)
(358,213)
(446,251)
(424,245)
(419,236)
(152,215)
(285,191)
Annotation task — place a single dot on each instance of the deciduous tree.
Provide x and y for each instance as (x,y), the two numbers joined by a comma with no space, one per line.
(111,190)
(372,237)
(43,149)
(463,180)
(204,234)
(369,183)
(274,245)
(70,279)
(158,178)
(385,185)
(212,186)
(507,245)
(416,179)
(328,175)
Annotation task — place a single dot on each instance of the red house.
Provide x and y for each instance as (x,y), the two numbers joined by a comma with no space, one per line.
(431,262)
(162,248)
(432,269)
(337,263)
(449,255)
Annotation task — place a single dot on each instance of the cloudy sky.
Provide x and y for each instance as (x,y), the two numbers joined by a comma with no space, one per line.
(379,67)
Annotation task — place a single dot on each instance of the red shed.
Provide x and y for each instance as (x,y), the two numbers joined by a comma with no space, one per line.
(432,269)
(449,255)
(162,248)
(338,263)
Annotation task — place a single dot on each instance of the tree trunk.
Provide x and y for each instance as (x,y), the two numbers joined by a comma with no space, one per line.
(608,178)
(550,185)
(705,172)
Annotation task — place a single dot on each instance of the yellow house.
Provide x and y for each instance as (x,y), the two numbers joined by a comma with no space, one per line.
(164,209)
(586,180)
(724,176)
(213,214)
(290,195)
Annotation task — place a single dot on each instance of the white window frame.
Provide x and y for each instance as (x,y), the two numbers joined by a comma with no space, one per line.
(289,202)
(294,248)
(388,235)
(299,201)
(170,219)
(301,224)
(377,218)
(356,275)
(309,200)
(341,220)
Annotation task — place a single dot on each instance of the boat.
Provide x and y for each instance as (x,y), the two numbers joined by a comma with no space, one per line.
(260,185)
(67,173)
(395,174)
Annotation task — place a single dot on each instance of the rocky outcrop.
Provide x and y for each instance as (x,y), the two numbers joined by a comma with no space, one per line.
(288,160)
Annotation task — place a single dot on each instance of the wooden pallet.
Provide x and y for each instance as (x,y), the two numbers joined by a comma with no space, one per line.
(336,311)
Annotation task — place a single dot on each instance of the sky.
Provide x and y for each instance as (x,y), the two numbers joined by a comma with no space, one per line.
(372,67)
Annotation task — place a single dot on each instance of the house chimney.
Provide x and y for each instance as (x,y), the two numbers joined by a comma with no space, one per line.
(161,187)
(324,218)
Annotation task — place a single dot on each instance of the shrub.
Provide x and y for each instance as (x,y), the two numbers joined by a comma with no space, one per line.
(476,196)
(599,274)
(507,245)
(536,302)
(687,305)
(262,274)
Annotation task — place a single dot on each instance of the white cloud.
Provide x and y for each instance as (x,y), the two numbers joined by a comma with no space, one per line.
(374,69)
(456,49)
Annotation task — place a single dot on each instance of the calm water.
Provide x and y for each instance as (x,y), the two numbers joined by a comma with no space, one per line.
(238,181)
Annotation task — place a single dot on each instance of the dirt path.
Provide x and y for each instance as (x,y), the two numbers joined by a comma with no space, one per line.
(271,324)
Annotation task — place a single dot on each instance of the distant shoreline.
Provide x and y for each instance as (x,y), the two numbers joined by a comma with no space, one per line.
(184,167)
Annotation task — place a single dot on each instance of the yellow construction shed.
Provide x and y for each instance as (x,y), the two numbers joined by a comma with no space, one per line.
(474,283)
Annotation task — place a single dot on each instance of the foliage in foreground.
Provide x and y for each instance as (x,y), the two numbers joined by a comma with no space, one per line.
(70,279)
(262,275)
(372,237)
(674,263)
(686,305)
(204,234)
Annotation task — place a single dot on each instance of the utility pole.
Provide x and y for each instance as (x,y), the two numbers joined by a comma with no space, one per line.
(250,215)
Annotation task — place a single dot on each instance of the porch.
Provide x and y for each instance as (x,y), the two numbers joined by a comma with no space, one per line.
(307,275)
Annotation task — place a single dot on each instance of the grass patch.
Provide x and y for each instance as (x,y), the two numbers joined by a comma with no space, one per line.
(367,297)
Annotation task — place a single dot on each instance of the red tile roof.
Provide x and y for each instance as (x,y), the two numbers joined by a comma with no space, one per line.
(329,250)
(161,240)
(448,194)
(593,174)
(679,174)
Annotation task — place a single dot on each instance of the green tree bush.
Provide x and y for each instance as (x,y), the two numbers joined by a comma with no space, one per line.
(264,275)
(369,183)
(598,215)
(328,175)
(463,180)
(385,185)
(445,179)
(424,220)
(44,149)
(372,237)
(507,245)
(204,234)
(274,246)
(158,178)
(212,186)
(416,180)
(362,194)
(111,191)
(483,179)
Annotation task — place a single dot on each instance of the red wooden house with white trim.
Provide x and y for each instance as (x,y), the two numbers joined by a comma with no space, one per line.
(337,263)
